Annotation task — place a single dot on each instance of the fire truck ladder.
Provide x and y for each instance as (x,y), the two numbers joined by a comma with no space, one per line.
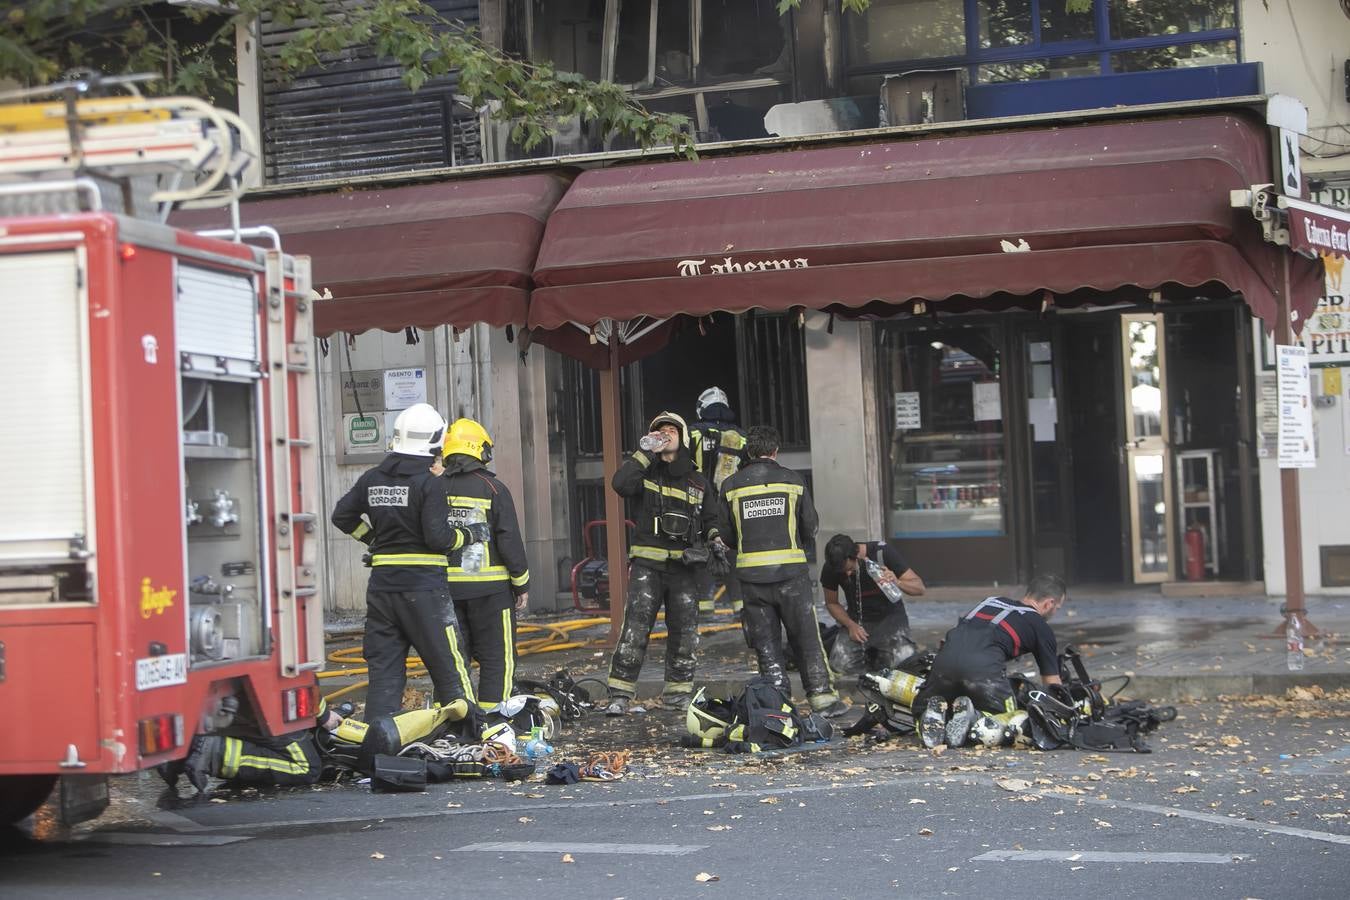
(189,153)
(295,473)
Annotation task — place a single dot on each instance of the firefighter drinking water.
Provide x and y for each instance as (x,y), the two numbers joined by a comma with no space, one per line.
(677,515)
(486,596)
(399,509)
(771,523)
(970,670)
(874,630)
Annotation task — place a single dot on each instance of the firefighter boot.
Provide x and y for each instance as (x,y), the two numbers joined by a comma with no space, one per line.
(958,726)
(933,722)
(203,761)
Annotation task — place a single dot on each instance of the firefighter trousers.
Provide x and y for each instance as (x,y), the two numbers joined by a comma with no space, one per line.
(489,629)
(788,605)
(707,592)
(425,621)
(648,590)
(287,760)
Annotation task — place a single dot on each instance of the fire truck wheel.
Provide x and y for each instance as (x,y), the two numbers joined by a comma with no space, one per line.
(21,795)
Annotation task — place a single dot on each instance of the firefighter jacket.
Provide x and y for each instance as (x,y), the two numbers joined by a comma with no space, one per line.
(771,518)
(405,523)
(677,509)
(475,495)
(718,448)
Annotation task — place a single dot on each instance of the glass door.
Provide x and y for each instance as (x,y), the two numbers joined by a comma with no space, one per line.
(1148,460)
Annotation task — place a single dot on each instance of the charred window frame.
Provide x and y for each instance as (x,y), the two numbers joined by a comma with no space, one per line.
(772,352)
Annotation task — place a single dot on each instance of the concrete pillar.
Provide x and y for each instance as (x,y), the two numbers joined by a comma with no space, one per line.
(845,448)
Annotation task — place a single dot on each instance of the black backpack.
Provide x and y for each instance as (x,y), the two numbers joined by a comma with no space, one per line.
(764,718)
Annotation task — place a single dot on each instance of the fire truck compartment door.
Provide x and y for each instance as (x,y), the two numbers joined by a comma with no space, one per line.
(49,697)
(217,315)
(43,408)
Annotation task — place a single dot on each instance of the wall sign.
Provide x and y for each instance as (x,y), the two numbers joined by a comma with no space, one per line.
(1326,334)
(1296,430)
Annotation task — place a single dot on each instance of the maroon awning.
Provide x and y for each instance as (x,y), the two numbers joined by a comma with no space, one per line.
(443,253)
(869,228)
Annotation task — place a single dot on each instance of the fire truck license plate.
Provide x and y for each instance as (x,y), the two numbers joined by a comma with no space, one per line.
(159,671)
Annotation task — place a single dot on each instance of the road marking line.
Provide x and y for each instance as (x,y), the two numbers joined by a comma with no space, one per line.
(136,838)
(1213,819)
(1105,856)
(546,847)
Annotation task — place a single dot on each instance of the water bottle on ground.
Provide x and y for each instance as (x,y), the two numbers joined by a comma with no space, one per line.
(1293,639)
(889,588)
(536,748)
(473,557)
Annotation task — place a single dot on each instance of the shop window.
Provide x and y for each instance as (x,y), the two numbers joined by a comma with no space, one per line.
(947,471)
(744,38)
(1039,69)
(645,55)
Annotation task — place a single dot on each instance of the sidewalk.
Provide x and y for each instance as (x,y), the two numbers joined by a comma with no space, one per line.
(1170,648)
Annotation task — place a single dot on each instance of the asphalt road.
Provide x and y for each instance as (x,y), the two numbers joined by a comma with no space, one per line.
(1239,799)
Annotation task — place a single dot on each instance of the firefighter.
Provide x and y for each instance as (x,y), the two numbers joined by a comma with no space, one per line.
(874,631)
(719,449)
(772,523)
(970,669)
(399,509)
(486,600)
(300,758)
(677,515)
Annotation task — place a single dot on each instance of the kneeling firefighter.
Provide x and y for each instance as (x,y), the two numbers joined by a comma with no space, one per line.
(300,757)
(677,516)
(487,596)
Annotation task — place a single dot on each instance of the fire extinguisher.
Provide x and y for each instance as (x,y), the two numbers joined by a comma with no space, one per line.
(1195,553)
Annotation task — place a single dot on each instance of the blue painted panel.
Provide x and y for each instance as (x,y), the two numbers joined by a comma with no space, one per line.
(1021,98)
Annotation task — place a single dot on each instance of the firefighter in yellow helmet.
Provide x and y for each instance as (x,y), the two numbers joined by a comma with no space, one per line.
(487,599)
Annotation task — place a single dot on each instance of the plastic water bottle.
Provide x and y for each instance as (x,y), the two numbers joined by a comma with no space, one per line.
(1293,639)
(473,557)
(889,588)
(650,442)
(537,748)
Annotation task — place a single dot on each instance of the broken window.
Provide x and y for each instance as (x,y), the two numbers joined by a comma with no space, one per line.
(653,44)
(743,39)
(568,33)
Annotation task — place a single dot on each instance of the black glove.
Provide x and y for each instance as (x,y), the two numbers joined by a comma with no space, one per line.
(477,532)
(365,560)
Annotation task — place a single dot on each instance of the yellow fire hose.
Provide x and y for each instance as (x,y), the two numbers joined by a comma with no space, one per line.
(553,636)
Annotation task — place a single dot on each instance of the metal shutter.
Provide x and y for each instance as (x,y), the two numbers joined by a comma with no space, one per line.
(217,314)
(44,367)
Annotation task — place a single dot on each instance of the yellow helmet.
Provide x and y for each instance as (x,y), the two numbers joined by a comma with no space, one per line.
(468,437)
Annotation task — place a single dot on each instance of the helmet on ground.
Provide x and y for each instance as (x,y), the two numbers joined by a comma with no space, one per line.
(670,418)
(707,719)
(418,431)
(470,438)
(712,395)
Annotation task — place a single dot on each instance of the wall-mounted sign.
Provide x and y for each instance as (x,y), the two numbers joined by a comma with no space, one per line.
(1326,334)
(404,387)
(363,391)
(362,434)
(908,415)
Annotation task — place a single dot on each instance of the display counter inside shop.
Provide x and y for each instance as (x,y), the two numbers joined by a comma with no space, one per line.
(948,485)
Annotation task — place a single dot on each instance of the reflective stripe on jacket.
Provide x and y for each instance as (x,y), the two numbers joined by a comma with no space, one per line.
(675,487)
(474,494)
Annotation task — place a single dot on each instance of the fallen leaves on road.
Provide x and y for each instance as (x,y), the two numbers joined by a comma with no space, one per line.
(705,877)
(914,800)
(1012,784)
(524,820)
(567,858)
(718,827)
(1186,789)
(769,800)
(1231,740)
(377,855)
(453,805)
(925,832)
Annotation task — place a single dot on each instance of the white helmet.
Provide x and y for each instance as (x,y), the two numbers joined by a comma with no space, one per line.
(712,395)
(418,431)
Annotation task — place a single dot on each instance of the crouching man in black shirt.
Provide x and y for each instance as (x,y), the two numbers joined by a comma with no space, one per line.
(970,670)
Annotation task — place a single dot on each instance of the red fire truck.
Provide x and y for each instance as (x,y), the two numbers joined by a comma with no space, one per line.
(158,538)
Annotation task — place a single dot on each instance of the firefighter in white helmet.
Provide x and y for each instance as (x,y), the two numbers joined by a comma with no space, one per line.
(399,509)
(487,599)
(718,448)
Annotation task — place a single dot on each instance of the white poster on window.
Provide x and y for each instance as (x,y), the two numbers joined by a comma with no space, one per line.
(1296,450)
(908,415)
(988,407)
(404,387)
